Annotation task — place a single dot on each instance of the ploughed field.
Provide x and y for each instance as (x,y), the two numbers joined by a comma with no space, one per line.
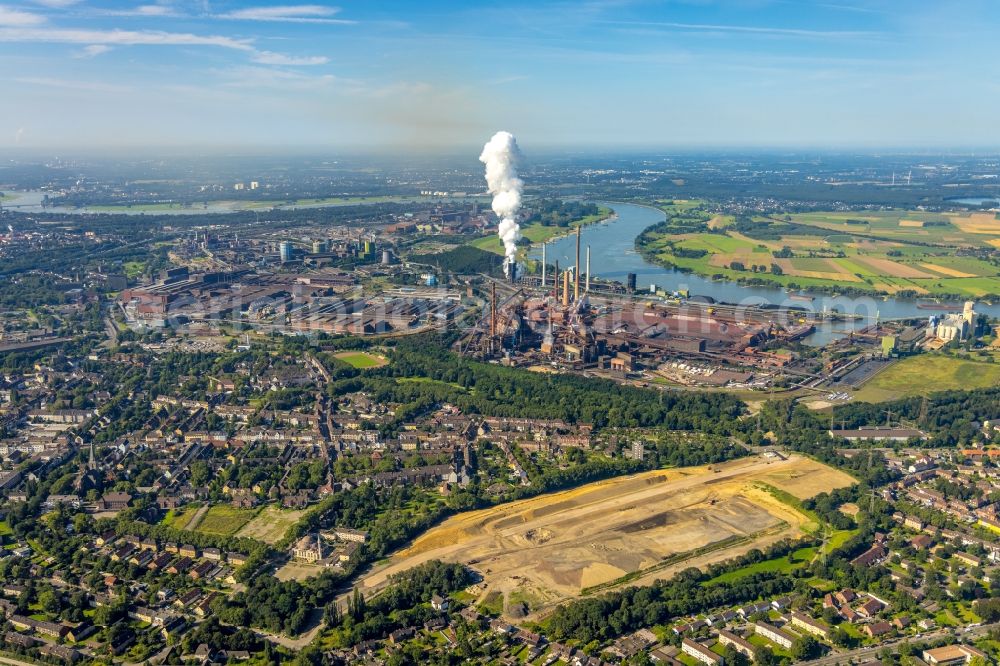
(626,530)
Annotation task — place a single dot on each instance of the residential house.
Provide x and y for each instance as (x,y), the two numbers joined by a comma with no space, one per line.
(773,634)
(738,643)
(700,653)
(952,654)
(808,624)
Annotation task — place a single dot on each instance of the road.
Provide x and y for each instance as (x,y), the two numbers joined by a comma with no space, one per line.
(14,662)
(861,654)
(109,326)
(196,518)
(297,643)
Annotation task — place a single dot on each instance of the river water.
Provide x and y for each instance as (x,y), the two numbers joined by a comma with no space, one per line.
(31,202)
(613,257)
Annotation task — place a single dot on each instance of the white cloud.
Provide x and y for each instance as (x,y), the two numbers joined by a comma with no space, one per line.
(17,18)
(287,13)
(92,50)
(56,4)
(154,10)
(148,10)
(121,38)
(67,84)
(271,58)
(266,77)
(101,41)
(760,30)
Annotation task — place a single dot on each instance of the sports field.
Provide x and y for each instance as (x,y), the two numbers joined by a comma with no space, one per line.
(625,530)
(362,360)
(927,373)
(887,252)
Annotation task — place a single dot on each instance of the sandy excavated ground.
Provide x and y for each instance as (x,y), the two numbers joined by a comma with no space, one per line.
(546,549)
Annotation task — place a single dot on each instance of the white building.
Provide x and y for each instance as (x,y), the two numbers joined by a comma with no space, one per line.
(701,653)
(957,326)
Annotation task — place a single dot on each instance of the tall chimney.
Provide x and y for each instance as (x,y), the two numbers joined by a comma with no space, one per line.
(555,280)
(565,298)
(587,290)
(576,271)
(543,266)
(493,310)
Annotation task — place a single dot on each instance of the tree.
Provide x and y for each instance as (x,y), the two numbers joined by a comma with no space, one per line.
(765,656)
(805,647)
(50,600)
(200,473)
(734,657)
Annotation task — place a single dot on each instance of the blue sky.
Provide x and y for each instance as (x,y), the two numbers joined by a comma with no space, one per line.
(443,75)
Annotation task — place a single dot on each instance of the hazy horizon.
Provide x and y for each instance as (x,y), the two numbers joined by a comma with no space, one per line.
(865,75)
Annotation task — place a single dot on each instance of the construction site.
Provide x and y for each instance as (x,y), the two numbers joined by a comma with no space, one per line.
(628,530)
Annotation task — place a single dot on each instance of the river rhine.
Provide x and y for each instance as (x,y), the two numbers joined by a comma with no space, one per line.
(613,256)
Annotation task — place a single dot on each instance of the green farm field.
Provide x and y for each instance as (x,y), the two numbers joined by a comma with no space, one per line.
(927,373)
(915,253)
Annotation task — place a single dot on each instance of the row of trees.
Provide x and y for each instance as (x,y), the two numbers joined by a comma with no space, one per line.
(493,390)
(950,417)
(402,604)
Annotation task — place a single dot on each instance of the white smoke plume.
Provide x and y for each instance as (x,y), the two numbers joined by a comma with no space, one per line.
(501,156)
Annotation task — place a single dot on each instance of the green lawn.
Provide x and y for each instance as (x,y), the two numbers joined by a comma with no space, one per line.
(760,641)
(179,518)
(428,380)
(800,558)
(134,269)
(926,373)
(492,604)
(361,360)
(271,523)
(225,520)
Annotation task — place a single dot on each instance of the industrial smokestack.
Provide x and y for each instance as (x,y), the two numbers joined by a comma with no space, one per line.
(587,289)
(576,271)
(493,310)
(565,298)
(500,156)
(543,266)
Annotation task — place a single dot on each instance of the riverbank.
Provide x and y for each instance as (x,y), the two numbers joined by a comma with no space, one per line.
(614,256)
(539,233)
(875,255)
(32,202)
